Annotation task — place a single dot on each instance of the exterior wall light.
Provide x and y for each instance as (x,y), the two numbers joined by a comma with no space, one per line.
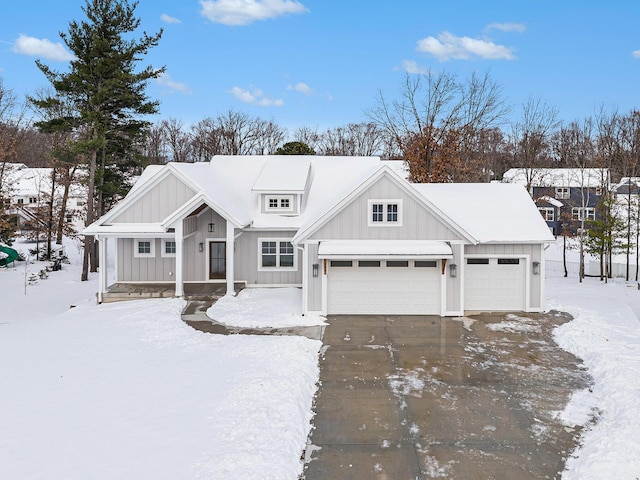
(536,268)
(315,268)
(453,270)
(211,227)
(201,247)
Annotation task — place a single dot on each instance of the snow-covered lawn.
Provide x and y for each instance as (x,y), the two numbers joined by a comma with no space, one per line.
(127,390)
(263,307)
(605,334)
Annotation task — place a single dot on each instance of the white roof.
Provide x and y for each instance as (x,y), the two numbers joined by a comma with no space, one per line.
(558,177)
(25,181)
(551,201)
(384,249)
(490,212)
(288,174)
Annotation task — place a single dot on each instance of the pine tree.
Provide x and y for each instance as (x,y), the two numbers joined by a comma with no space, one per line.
(107,92)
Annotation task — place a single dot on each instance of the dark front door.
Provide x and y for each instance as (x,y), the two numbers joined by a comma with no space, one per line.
(217,260)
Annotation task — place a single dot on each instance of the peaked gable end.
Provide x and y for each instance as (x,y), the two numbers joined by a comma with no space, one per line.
(384,210)
(158,201)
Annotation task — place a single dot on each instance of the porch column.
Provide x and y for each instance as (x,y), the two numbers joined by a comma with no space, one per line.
(230,264)
(102,262)
(179,257)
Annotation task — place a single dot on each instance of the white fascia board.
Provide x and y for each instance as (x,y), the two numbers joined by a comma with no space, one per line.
(193,203)
(385,169)
(134,196)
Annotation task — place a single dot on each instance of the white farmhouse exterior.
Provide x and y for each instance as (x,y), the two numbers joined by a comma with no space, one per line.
(350,231)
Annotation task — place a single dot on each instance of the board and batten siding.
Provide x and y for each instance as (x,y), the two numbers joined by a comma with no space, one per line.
(535,253)
(352,222)
(314,285)
(154,206)
(151,269)
(453,286)
(195,268)
(247,261)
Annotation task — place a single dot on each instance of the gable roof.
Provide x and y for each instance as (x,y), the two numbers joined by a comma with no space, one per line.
(490,212)
(315,223)
(558,177)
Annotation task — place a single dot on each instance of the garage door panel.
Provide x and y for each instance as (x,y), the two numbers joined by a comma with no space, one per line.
(494,286)
(383,290)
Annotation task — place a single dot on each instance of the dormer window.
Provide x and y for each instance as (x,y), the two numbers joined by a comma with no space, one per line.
(279,203)
(385,213)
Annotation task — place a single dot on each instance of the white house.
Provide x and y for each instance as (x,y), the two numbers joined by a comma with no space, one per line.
(350,231)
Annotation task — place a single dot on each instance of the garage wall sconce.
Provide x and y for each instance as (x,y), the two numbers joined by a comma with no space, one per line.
(315,268)
(453,270)
(211,227)
(536,268)
(201,247)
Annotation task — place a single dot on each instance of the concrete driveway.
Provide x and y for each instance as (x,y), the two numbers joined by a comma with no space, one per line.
(425,397)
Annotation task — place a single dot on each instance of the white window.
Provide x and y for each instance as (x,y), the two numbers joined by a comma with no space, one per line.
(278,203)
(547,213)
(563,193)
(276,254)
(144,247)
(168,248)
(580,213)
(20,201)
(385,213)
(33,199)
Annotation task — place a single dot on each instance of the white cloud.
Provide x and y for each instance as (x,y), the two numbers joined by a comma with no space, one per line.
(166,80)
(255,97)
(41,47)
(506,27)
(169,19)
(410,66)
(448,46)
(244,12)
(301,87)
(636,53)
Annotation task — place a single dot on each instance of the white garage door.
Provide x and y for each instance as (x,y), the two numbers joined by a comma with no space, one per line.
(383,287)
(494,284)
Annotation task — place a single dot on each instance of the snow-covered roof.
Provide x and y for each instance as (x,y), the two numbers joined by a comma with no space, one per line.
(557,177)
(23,181)
(551,201)
(136,229)
(384,248)
(287,174)
(490,212)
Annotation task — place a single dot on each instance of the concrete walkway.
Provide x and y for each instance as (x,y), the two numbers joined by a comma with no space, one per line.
(426,397)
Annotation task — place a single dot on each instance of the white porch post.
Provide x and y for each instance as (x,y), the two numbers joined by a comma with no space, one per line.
(179,258)
(102,261)
(230,263)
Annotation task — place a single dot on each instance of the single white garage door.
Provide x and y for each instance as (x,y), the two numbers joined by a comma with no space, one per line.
(385,287)
(494,284)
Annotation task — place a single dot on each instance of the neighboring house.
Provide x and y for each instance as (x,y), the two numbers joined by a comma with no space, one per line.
(29,191)
(564,196)
(350,231)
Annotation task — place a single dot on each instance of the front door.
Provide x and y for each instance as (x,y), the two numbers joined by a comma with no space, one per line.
(217,260)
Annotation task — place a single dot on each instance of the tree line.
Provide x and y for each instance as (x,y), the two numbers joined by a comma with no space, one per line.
(93,124)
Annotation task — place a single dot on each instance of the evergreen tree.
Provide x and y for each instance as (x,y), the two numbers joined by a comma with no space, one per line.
(107,92)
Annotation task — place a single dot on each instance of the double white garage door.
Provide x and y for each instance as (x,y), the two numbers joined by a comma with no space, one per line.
(414,287)
(410,287)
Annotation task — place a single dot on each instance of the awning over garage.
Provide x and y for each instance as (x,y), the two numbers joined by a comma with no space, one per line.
(384,249)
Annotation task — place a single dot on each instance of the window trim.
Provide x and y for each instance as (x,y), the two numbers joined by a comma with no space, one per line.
(277,267)
(278,199)
(386,203)
(152,248)
(544,211)
(164,252)
(578,214)
(563,193)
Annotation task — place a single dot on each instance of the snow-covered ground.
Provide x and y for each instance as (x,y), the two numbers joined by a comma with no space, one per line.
(127,390)
(605,334)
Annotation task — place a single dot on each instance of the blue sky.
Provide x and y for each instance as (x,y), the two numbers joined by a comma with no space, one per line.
(321,63)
